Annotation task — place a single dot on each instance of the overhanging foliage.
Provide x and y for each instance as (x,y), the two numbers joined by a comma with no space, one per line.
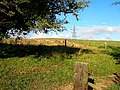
(25,15)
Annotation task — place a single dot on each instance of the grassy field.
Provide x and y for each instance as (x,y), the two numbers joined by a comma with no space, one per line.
(45,64)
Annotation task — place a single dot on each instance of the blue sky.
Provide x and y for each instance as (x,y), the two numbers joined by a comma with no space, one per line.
(99,21)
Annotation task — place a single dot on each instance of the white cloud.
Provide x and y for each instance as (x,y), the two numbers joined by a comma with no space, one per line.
(39,35)
(104,32)
(36,35)
(108,36)
(93,32)
(103,23)
(103,29)
(59,35)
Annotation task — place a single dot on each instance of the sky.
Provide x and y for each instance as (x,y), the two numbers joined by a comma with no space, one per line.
(99,21)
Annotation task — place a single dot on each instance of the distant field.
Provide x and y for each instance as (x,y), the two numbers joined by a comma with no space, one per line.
(46,64)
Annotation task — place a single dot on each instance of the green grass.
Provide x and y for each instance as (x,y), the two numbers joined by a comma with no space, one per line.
(115,87)
(97,43)
(33,67)
(100,64)
(23,73)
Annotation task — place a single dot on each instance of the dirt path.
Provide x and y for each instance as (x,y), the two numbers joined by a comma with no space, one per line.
(101,85)
(104,84)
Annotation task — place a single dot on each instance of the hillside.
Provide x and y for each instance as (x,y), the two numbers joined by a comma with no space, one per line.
(46,64)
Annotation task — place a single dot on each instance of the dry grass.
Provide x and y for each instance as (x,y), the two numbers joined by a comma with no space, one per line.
(48,42)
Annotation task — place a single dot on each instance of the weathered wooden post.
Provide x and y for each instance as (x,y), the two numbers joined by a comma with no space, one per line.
(80,76)
(65,43)
(105,44)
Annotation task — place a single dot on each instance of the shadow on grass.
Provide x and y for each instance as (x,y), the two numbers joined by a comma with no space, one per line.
(10,50)
(115,53)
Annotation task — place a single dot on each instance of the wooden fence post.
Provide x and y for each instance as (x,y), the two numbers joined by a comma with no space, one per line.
(65,43)
(105,44)
(80,76)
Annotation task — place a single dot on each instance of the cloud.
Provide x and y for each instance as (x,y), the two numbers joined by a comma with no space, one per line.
(100,29)
(93,32)
(62,35)
(39,35)
(48,35)
(108,36)
(36,35)
(103,23)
